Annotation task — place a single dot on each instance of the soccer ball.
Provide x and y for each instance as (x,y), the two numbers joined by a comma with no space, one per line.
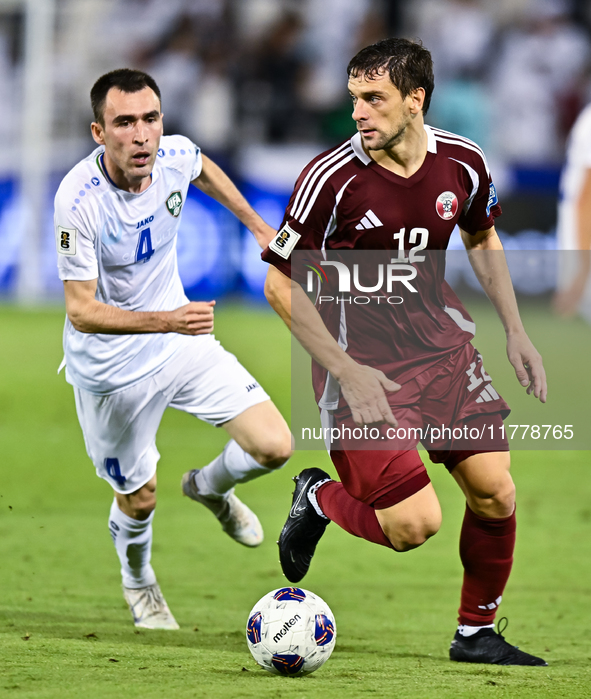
(291,631)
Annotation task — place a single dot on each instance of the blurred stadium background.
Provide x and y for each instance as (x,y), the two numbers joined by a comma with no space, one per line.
(260,85)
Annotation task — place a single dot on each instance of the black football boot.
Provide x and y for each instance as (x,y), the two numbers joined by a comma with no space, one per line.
(488,646)
(303,528)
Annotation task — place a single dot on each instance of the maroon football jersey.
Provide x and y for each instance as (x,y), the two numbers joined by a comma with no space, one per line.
(345,205)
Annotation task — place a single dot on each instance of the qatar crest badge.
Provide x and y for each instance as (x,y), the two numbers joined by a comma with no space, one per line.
(447,205)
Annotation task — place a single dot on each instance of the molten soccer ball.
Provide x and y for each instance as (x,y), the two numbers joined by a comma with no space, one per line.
(291,631)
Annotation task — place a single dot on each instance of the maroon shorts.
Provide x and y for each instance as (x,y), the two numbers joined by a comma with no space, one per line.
(451,408)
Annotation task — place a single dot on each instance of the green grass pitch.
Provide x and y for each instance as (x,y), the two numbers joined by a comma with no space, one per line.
(64,628)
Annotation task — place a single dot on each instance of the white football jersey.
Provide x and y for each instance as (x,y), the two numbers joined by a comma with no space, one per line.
(578,161)
(128,242)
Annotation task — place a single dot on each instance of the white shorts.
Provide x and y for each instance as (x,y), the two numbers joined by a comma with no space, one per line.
(120,428)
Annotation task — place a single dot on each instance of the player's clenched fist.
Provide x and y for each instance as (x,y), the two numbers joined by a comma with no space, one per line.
(196,318)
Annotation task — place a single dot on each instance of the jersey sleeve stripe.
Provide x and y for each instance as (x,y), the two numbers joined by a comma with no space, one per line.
(332,223)
(455,136)
(475,182)
(467,145)
(320,184)
(313,169)
(313,176)
(460,140)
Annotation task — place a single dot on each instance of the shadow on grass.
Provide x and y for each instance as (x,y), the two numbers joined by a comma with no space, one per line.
(100,629)
(384,653)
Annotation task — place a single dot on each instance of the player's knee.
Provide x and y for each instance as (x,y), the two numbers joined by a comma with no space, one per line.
(144,509)
(274,451)
(276,458)
(141,508)
(505,498)
(405,536)
(138,505)
(498,501)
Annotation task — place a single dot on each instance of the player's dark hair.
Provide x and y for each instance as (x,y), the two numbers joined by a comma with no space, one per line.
(408,63)
(124,79)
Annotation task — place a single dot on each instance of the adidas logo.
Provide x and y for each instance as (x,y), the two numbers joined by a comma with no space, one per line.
(370,220)
(492,605)
(487,395)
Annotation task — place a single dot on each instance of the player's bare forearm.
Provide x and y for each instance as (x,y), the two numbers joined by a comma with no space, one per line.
(278,294)
(363,386)
(88,315)
(290,302)
(485,252)
(216,184)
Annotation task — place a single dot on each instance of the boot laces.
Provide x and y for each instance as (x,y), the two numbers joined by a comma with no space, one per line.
(153,599)
(502,627)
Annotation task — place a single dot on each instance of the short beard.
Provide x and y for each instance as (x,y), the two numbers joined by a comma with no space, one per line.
(391,140)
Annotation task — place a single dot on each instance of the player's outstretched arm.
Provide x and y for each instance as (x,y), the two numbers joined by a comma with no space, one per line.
(363,386)
(487,258)
(216,184)
(88,315)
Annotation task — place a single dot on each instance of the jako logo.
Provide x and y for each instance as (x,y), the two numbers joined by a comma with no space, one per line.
(285,628)
(145,222)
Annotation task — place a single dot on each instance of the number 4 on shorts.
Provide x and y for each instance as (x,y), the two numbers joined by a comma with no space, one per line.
(114,471)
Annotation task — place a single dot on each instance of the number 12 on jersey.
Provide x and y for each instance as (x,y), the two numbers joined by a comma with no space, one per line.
(412,238)
(144,246)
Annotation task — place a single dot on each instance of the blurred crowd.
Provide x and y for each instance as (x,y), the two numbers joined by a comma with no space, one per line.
(512,74)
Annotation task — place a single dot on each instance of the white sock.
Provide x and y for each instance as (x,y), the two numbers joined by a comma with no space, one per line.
(133,543)
(232,466)
(468,631)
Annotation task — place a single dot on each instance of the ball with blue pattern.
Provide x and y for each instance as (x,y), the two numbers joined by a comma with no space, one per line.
(291,632)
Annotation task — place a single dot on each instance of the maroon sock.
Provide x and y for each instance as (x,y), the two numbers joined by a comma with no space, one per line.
(486,550)
(352,515)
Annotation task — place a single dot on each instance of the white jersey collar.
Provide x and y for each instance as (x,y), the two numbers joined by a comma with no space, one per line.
(358,149)
(366,160)
(431,142)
